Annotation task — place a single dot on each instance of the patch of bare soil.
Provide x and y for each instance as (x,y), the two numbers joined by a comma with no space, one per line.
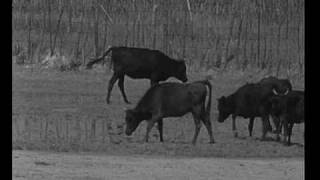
(47,165)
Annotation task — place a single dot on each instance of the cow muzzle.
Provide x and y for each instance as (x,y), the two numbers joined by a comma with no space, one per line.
(184,80)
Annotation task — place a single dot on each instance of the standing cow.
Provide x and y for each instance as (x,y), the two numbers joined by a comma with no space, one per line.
(252,100)
(290,110)
(248,101)
(172,100)
(139,63)
(275,87)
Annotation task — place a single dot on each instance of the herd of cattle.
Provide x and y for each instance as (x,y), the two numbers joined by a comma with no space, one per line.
(269,97)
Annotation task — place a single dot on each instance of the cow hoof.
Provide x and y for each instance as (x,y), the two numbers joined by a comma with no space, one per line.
(211,142)
(128,102)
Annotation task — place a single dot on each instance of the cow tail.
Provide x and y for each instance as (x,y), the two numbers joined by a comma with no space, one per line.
(208,108)
(101,58)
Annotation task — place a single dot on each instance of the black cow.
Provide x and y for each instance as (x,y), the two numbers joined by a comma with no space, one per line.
(252,100)
(248,101)
(172,100)
(277,87)
(290,110)
(139,63)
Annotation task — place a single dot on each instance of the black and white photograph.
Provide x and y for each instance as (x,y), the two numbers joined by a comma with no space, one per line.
(158,89)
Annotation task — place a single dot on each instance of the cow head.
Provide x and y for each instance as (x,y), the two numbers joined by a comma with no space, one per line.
(281,87)
(223,108)
(180,71)
(275,92)
(132,121)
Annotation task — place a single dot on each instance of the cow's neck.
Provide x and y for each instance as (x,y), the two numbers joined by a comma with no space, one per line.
(230,101)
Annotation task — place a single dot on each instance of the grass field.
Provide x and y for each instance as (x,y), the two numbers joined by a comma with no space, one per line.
(66,111)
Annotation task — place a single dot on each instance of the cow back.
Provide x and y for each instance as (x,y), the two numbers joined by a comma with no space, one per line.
(250,100)
(172,99)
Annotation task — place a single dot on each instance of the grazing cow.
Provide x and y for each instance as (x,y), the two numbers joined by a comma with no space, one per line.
(290,110)
(139,63)
(172,100)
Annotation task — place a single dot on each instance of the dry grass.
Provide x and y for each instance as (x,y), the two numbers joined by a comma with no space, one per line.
(67,112)
(257,33)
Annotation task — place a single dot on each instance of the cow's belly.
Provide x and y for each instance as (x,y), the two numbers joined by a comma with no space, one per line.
(138,74)
(175,114)
(177,108)
(248,114)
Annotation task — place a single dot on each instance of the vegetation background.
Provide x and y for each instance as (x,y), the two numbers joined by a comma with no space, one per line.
(209,34)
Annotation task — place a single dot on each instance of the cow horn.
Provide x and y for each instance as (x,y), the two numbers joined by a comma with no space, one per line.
(274,91)
(286,92)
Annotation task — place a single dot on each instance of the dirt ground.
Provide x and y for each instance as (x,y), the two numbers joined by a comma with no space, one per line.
(47,165)
(63,129)
(67,112)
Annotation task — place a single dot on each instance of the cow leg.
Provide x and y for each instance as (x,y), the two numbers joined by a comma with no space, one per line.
(207,124)
(286,129)
(290,133)
(150,124)
(197,112)
(121,87)
(250,126)
(269,127)
(278,124)
(234,127)
(160,128)
(111,83)
(197,124)
(265,120)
